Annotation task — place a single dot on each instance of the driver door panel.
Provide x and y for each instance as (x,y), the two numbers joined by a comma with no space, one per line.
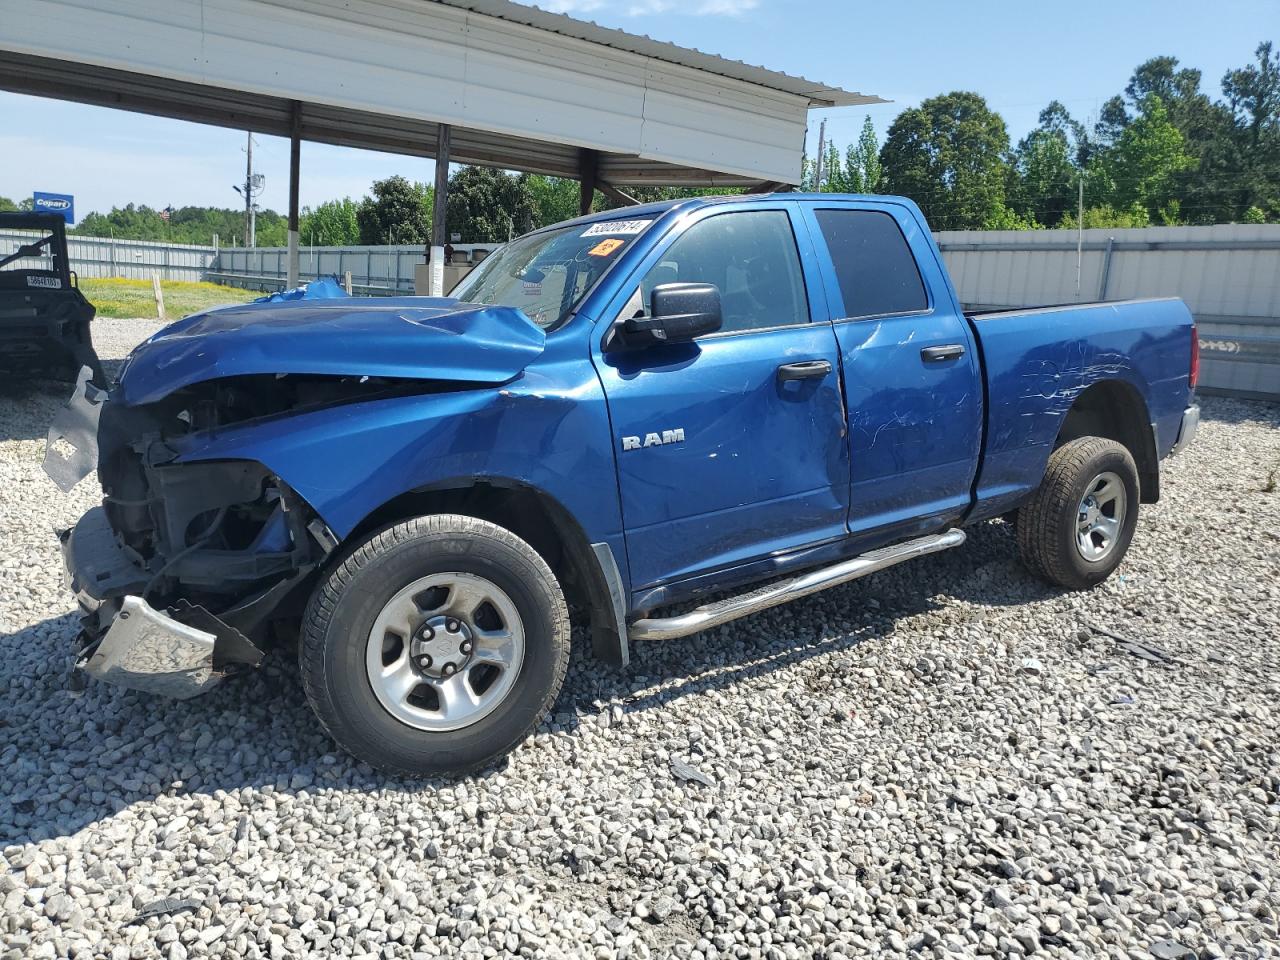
(721,459)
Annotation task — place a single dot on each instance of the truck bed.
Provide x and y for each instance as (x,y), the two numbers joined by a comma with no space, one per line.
(1038,360)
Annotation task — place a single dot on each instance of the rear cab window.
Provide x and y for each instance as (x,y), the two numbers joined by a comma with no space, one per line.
(874,267)
(27,260)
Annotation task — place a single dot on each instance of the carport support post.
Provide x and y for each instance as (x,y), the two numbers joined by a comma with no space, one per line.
(588,165)
(438,237)
(295,162)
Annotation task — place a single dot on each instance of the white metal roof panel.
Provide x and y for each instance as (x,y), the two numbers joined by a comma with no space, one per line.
(817,93)
(523,88)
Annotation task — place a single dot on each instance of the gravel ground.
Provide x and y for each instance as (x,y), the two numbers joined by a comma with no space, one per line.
(947,757)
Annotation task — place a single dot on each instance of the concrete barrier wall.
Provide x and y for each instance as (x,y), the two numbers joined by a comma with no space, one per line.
(1229,275)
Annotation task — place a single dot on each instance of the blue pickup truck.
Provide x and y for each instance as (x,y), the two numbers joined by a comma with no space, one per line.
(752,397)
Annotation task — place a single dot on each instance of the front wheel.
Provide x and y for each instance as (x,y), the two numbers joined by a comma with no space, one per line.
(435,646)
(1078,526)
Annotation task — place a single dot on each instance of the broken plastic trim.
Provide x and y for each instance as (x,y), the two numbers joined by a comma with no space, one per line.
(75,426)
(148,650)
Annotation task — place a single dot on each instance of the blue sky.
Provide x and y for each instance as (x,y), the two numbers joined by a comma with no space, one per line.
(1019,55)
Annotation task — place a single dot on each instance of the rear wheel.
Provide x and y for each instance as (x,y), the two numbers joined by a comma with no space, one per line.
(1078,526)
(436,646)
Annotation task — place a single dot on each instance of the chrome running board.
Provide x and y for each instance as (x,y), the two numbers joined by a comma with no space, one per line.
(722,611)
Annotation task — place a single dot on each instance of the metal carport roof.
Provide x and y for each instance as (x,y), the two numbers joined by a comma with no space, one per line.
(487,82)
(521,88)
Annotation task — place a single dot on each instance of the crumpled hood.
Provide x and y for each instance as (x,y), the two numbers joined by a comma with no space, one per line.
(423,338)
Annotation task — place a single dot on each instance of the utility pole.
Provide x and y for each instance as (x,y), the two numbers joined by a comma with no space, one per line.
(250,221)
(822,150)
(250,190)
(1079,234)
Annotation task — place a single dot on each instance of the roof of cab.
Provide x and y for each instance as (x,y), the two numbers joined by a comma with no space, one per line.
(658,208)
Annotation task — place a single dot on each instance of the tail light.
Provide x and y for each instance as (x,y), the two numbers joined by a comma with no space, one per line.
(1195,358)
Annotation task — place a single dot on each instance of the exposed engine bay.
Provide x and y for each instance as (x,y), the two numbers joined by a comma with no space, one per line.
(223,548)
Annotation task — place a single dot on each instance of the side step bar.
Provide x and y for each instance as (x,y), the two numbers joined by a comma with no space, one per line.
(722,611)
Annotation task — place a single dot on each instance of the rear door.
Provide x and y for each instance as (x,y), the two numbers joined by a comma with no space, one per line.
(911,375)
(730,447)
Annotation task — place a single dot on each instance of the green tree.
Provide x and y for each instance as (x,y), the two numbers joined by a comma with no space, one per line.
(1106,216)
(398,212)
(1006,218)
(554,199)
(196,225)
(864,156)
(1141,167)
(1205,128)
(1056,119)
(855,170)
(7,205)
(1253,100)
(332,224)
(1045,184)
(950,155)
(1113,118)
(489,206)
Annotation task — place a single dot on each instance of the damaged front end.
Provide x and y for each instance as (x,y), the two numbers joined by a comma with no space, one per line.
(182,571)
(193,557)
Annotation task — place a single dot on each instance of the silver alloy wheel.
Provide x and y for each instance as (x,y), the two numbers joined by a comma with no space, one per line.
(1100,516)
(445,651)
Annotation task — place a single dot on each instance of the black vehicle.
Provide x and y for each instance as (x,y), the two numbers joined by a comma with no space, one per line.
(44,318)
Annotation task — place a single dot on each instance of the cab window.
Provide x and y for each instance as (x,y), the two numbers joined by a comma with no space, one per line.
(875,268)
(751,256)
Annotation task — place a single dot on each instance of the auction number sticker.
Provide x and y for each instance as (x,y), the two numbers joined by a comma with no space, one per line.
(51,283)
(614,227)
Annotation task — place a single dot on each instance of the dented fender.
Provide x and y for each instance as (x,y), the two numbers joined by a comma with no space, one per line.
(547,429)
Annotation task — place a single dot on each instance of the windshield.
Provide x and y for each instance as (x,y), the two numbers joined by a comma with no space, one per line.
(547,274)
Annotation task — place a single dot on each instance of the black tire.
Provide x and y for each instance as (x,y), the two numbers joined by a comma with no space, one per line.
(345,605)
(1047,523)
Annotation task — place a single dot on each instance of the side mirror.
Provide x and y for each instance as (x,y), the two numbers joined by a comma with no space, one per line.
(678,312)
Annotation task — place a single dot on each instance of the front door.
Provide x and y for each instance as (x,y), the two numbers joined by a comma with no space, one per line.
(730,447)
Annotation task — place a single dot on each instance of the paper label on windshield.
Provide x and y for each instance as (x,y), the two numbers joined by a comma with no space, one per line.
(605,247)
(616,227)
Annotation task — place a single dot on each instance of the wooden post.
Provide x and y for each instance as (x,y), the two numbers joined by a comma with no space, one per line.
(346,282)
(438,236)
(159,295)
(588,167)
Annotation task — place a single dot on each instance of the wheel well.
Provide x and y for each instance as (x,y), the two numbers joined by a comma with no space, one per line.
(538,519)
(1115,410)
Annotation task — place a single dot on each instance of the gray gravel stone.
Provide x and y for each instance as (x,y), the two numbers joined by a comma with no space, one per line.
(887,772)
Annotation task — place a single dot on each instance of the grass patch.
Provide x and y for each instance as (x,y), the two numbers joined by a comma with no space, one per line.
(125,299)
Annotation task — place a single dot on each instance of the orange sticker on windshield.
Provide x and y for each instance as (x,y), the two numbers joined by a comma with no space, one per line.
(605,247)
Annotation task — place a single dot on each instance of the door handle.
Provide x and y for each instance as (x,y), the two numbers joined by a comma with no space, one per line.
(947,351)
(804,370)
